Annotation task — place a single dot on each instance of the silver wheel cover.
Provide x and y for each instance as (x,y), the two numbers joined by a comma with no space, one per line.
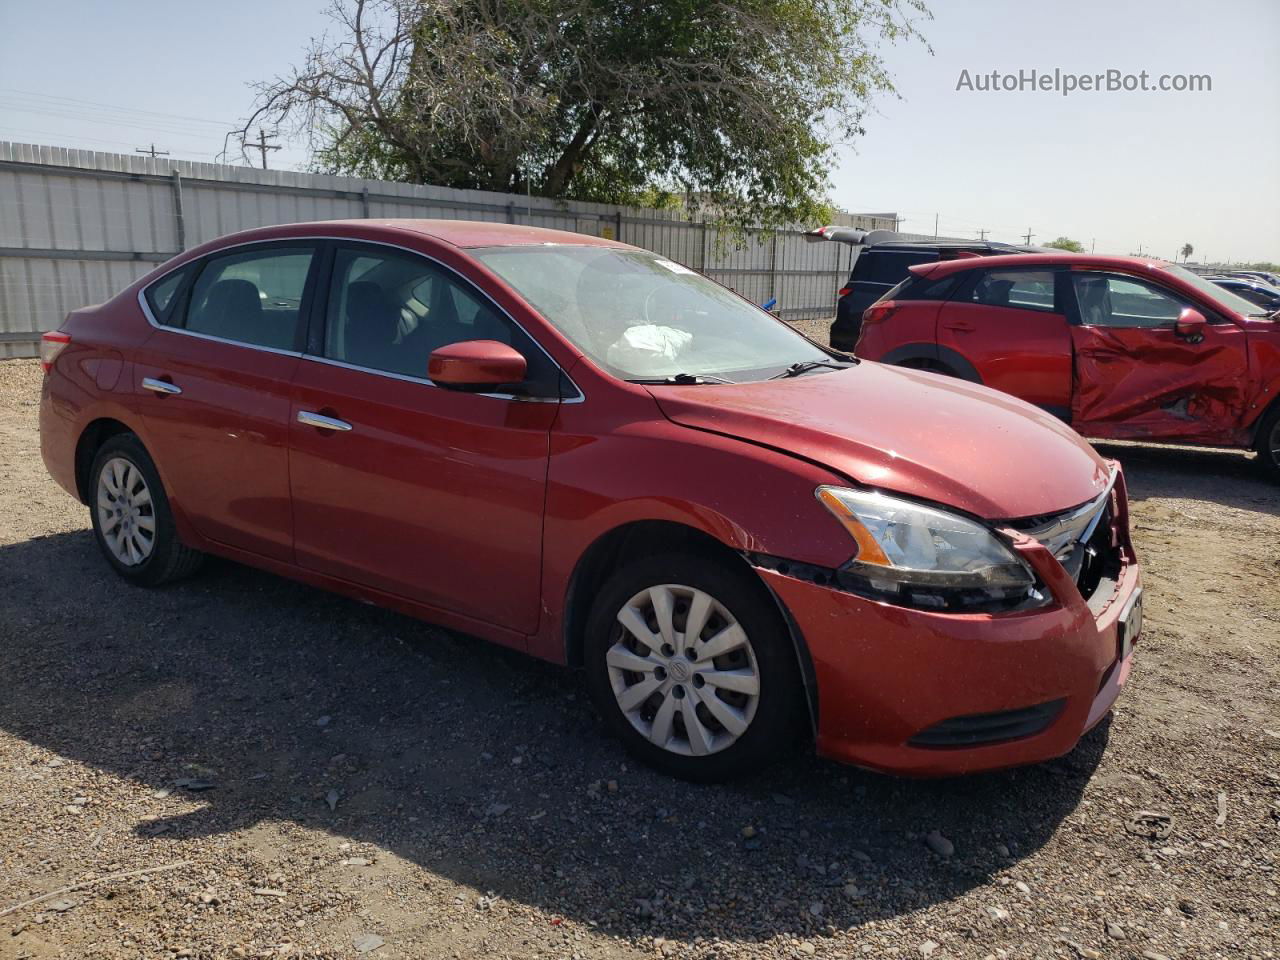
(126,515)
(683,670)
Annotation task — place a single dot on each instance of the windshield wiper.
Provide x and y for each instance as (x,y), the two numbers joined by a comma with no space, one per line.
(684,379)
(804,366)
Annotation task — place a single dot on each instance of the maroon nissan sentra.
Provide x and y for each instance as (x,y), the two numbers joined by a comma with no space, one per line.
(583,450)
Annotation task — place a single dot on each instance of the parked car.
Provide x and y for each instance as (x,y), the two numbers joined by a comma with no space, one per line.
(1119,347)
(1267,278)
(1255,291)
(585,451)
(882,262)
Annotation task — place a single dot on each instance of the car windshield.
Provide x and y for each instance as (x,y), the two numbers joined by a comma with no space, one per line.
(1217,293)
(642,317)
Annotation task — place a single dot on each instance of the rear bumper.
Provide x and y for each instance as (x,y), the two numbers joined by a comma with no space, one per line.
(58,436)
(899,690)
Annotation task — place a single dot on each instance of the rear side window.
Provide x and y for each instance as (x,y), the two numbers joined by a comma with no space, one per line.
(1020,289)
(388,311)
(253,297)
(161,293)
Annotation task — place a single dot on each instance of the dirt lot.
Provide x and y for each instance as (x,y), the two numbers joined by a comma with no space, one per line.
(314,777)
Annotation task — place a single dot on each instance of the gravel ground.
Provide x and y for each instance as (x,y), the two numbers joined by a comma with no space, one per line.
(312,777)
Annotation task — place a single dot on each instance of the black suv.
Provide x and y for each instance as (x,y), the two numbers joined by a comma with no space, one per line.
(882,263)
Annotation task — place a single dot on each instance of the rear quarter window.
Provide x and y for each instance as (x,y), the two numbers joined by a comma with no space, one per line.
(922,288)
(159,295)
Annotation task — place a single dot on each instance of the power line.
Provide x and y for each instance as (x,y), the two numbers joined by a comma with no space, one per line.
(114,106)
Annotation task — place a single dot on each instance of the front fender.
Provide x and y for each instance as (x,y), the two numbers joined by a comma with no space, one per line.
(749,498)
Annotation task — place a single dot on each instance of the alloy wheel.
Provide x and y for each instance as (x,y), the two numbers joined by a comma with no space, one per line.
(126,514)
(683,670)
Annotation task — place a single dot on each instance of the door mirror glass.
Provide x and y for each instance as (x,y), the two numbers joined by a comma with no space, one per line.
(1190,325)
(475,364)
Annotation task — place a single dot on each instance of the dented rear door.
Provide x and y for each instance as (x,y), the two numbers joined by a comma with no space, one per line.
(1135,378)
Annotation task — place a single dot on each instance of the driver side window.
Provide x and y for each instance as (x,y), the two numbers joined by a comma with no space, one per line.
(1107,300)
(389,310)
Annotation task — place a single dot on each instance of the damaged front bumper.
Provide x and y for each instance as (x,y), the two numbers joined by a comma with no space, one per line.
(926,693)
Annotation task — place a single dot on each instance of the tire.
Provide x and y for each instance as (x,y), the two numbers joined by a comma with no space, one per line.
(734,731)
(1268,444)
(125,498)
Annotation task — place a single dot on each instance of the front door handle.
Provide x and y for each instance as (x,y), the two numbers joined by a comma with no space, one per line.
(960,325)
(163,387)
(312,419)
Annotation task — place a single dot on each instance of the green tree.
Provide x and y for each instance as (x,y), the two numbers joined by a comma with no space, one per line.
(1066,243)
(734,105)
(1186,251)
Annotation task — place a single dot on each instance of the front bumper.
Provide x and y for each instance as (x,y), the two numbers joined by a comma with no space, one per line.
(887,676)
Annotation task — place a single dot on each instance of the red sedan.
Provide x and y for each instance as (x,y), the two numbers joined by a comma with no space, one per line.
(585,451)
(1119,347)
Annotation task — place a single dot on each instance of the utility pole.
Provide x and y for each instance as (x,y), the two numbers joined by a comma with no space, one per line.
(982,234)
(1092,240)
(262,146)
(1029,236)
(935,226)
(152,151)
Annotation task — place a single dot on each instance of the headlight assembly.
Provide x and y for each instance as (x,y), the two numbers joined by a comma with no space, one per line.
(920,556)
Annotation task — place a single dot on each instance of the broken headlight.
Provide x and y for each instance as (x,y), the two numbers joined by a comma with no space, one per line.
(919,556)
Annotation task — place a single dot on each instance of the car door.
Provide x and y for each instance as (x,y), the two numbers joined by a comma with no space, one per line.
(1135,377)
(1011,326)
(213,388)
(424,492)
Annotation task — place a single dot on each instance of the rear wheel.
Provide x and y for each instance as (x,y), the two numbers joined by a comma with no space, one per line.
(1269,443)
(131,517)
(692,668)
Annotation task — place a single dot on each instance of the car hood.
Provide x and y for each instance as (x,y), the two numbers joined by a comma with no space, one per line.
(916,433)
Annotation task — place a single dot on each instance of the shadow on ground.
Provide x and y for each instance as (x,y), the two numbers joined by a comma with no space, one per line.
(472,761)
(1232,478)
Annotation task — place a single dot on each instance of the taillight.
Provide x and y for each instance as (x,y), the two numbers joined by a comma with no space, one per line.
(844,291)
(879,312)
(52,344)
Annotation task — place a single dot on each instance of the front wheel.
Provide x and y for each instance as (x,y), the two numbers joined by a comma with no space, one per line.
(692,667)
(131,517)
(1269,443)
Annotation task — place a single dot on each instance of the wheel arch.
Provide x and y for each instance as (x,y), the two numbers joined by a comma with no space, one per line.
(92,437)
(638,538)
(1254,430)
(932,356)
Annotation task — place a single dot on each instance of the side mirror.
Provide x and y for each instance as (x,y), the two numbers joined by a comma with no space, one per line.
(475,364)
(1190,325)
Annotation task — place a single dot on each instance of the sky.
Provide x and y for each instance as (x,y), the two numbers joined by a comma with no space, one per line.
(1118,171)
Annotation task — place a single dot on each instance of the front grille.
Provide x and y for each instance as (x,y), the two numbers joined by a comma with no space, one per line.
(984,728)
(1083,539)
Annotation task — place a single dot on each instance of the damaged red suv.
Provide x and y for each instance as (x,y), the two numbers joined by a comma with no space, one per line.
(590,453)
(1119,347)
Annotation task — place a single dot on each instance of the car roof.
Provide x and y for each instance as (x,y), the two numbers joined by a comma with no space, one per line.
(459,233)
(1032,260)
(934,246)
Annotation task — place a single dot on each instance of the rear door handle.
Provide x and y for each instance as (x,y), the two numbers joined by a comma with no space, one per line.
(162,387)
(312,419)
